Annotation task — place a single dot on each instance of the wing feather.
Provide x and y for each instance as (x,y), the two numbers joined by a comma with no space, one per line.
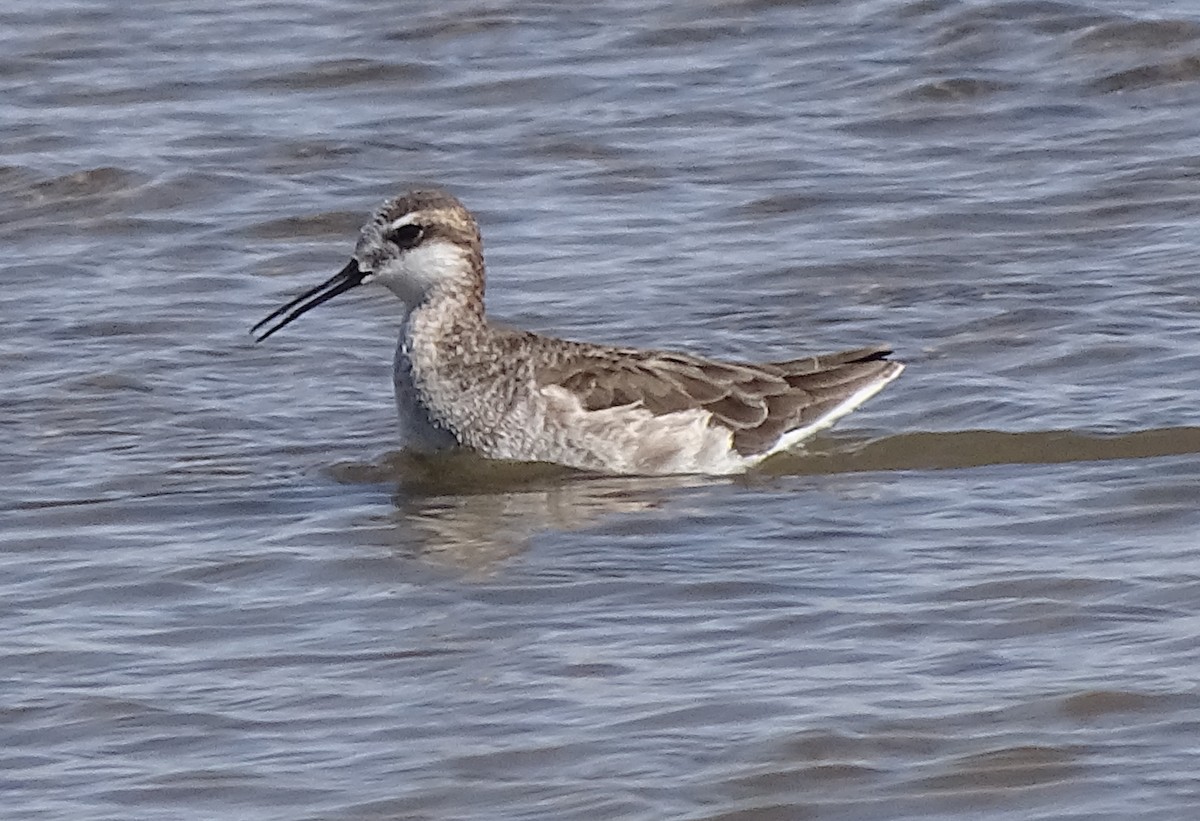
(758,404)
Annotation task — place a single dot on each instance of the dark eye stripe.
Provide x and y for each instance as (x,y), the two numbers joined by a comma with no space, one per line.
(406,236)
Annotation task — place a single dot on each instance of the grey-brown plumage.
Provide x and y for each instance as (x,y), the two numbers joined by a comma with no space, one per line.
(758,403)
(463,382)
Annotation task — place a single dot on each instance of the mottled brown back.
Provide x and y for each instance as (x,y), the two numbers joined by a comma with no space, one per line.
(757,403)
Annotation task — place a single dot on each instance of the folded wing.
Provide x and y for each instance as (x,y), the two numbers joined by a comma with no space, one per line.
(759,404)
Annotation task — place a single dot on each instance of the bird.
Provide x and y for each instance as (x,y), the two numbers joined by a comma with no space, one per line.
(463,382)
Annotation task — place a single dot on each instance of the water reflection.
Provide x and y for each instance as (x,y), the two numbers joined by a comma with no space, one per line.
(471,514)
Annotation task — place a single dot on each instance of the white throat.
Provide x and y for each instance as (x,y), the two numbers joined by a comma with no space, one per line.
(416,274)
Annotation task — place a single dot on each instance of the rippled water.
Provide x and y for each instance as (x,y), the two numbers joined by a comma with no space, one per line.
(224,594)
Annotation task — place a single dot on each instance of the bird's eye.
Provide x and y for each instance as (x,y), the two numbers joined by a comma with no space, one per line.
(406,236)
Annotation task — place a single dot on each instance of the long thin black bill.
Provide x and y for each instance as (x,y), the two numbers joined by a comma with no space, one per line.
(349,277)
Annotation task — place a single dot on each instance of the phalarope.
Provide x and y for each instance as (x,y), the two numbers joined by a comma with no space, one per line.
(506,394)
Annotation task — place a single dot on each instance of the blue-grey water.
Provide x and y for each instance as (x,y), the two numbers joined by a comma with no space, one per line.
(225,594)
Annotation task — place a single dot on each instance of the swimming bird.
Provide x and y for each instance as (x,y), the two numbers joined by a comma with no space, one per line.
(462,381)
